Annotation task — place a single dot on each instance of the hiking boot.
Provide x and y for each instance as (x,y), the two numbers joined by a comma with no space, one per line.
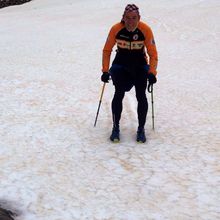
(141,138)
(115,136)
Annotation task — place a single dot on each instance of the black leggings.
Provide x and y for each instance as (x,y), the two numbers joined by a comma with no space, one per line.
(140,84)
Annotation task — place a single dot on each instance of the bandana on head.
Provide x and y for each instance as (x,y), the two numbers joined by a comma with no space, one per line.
(131,8)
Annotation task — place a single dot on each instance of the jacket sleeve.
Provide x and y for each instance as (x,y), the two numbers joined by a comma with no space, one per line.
(151,50)
(106,54)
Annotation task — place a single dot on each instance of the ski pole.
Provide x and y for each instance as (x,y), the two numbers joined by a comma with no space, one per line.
(100,101)
(150,90)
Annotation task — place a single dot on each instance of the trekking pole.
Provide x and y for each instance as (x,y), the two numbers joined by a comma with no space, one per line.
(100,101)
(150,90)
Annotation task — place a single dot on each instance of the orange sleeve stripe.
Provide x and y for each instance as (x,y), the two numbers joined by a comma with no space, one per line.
(109,44)
(150,46)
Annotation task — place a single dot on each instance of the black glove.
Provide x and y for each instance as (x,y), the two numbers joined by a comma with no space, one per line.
(152,78)
(105,77)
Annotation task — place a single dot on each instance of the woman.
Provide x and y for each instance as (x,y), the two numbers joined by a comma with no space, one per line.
(135,62)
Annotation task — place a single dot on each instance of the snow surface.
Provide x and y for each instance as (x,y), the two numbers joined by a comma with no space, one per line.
(55,165)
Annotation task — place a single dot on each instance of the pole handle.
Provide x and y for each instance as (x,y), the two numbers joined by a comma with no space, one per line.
(150,88)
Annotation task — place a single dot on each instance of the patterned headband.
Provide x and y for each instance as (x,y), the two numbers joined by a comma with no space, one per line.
(131,8)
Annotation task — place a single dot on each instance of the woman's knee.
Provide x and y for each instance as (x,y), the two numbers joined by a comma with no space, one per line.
(142,98)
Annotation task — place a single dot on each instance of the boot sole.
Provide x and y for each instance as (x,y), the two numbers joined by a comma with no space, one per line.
(115,140)
(141,142)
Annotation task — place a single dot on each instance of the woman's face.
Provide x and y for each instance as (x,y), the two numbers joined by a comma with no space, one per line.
(131,20)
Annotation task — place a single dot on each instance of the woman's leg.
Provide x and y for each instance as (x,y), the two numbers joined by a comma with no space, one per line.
(140,89)
(122,83)
(117,106)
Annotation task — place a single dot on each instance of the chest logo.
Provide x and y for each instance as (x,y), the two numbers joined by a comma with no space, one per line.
(135,37)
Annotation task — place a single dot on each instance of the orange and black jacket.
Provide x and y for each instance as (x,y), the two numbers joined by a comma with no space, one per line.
(133,48)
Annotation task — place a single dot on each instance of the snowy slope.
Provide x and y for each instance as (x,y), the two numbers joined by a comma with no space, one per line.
(56,165)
